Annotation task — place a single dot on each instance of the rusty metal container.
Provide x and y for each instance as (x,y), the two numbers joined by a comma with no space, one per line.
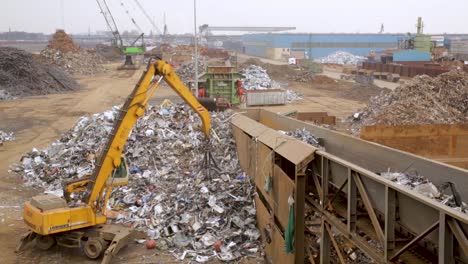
(266,97)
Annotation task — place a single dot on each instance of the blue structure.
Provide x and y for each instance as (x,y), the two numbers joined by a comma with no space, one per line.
(317,45)
(411,55)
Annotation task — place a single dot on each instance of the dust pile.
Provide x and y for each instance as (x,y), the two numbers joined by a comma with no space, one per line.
(167,196)
(64,53)
(21,75)
(424,100)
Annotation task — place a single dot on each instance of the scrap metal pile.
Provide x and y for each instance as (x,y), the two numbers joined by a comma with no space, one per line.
(5,136)
(424,100)
(22,75)
(183,209)
(257,78)
(64,53)
(341,57)
(187,71)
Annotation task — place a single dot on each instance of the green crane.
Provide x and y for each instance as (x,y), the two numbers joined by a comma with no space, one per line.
(128,50)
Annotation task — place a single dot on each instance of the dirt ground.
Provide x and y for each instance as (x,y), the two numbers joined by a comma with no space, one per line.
(38,121)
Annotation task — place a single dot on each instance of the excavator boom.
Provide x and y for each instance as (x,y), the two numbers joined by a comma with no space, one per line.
(52,219)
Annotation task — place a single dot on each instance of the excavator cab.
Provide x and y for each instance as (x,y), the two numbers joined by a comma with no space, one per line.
(119,175)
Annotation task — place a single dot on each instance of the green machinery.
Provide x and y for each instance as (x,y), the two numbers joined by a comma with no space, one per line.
(130,50)
(221,81)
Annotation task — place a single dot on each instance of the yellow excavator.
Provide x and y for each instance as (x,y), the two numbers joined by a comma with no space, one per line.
(52,219)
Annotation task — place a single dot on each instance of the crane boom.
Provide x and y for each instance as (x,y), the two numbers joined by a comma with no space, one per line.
(148,17)
(105,11)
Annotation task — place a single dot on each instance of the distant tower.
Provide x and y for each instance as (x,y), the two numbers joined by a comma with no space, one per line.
(165,25)
(381,28)
(419,26)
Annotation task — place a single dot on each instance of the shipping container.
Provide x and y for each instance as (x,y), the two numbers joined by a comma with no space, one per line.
(266,97)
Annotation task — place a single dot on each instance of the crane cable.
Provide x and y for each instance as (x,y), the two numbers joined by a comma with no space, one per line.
(130,16)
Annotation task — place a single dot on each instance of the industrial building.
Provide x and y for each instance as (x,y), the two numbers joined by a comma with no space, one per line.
(303,46)
(315,45)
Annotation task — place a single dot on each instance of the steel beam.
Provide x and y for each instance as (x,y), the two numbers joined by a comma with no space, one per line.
(324,243)
(369,208)
(335,244)
(390,218)
(459,234)
(352,203)
(299,230)
(445,241)
(415,240)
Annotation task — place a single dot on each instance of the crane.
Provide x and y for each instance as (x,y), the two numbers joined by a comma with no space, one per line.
(148,17)
(51,219)
(128,51)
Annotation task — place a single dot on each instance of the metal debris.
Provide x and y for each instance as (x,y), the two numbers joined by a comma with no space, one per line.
(64,53)
(187,71)
(166,197)
(83,62)
(424,100)
(21,75)
(257,78)
(305,136)
(418,183)
(6,136)
(341,57)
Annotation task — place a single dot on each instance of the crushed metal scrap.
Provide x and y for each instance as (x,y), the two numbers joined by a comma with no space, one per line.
(424,100)
(6,136)
(183,209)
(22,75)
(341,57)
(257,78)
(64,53)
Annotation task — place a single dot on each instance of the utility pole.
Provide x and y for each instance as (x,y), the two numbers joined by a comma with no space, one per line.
(196,45)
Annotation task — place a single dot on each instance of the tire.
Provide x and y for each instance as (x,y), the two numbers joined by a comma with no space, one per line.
(44,242)
(94,247)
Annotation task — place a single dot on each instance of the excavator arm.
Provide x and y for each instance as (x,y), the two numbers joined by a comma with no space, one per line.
(134,108)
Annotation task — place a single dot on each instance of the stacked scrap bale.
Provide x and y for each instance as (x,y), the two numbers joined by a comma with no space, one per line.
(22,75)
(424,100)
(64,53)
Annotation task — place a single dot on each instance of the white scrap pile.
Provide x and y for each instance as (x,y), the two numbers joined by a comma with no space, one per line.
(424,100)
(341,57)
(5,136)
(257,78)
(166,197)
(413,181)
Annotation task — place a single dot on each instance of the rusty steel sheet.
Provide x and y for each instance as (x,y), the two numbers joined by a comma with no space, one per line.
(446,143)
(269,156)
(392,209)
(316,117)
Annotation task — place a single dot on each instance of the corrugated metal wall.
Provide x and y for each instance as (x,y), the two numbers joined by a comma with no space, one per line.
(411,55)
(320,45)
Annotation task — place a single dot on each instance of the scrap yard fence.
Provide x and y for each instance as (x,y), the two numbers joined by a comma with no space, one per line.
(341,185)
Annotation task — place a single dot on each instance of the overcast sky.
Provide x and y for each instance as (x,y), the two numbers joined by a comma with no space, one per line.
(350,16)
